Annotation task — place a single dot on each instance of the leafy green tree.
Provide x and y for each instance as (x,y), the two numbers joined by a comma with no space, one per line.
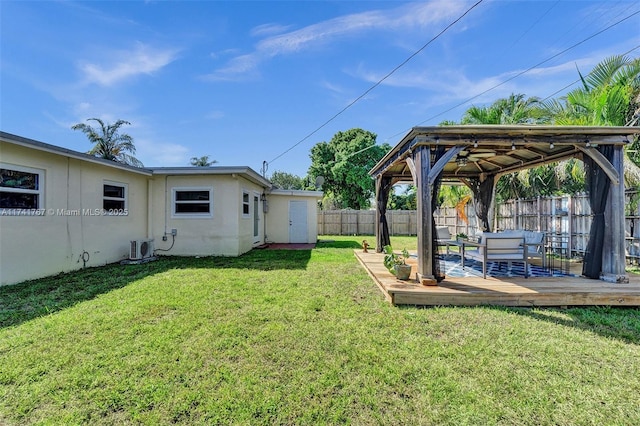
(344,162)
(451,195)
(202,161)
(109,143)
(284,180)
(406,200)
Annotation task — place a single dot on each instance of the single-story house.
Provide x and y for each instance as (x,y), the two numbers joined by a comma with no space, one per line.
(62,210)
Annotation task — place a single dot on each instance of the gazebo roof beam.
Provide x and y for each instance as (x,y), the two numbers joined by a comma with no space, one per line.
(484,160)
(602,161)
(439,165)
(517,157)
(480,169)
(536,163)
(535,150)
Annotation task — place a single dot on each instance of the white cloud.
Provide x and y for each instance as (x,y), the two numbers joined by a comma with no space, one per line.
(214,115)
(239,65)
(81,109)
(161,154)
(455,85)
(415,15)
(332,87)
(406,17)
(225,52)
(269,29)
(122,64)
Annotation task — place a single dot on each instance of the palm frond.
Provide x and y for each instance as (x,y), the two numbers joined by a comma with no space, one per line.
(108,142)
(604,72)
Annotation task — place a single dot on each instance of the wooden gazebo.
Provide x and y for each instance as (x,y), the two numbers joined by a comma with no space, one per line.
(478,155)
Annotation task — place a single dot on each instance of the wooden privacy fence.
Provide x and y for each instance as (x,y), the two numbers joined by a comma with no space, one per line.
(362,222)
(566,219)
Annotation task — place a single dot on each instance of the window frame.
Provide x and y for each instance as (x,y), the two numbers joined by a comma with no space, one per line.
(175,202)
(246,204)
(125,199)
(17,211)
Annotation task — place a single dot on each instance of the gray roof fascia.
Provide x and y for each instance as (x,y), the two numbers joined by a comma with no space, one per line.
(53,149)
(245,171)
(297,193)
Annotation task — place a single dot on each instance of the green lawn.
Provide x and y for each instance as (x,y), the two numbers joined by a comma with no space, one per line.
(300,337)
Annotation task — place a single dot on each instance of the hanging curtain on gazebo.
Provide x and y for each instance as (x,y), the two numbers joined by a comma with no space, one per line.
(482,198)
(383,227)
(598,188)
(435,258)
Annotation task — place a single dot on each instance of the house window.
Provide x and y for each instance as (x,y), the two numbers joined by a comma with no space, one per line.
(114,197)
(21,190)
(192,202)
(245,203)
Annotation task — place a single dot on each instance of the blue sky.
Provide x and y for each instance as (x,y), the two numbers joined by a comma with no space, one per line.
(245,81)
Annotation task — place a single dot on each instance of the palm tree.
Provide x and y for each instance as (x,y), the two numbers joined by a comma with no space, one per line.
(202,161)
(109,143)
(516,109)
(609,96)
(606,98)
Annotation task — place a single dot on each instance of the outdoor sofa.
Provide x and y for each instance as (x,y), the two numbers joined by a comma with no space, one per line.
(497,247)
(507,246)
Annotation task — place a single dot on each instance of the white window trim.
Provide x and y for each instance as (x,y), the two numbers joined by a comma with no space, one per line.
(175,215)
(248,203)
(125,186)
(40,192)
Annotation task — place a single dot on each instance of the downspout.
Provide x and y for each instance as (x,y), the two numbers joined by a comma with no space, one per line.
(265,212)
(166,200)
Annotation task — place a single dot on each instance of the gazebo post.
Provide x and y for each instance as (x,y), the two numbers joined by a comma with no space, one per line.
(422,161)
(383,186)
(613,253)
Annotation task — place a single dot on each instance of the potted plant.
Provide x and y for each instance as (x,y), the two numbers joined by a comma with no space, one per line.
(461,237)
(397,263)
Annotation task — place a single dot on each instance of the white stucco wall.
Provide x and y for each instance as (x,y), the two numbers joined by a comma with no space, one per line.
(226,232)
(277,218)
(69,234)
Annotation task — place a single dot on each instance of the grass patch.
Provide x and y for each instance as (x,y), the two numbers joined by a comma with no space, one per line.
(299,337)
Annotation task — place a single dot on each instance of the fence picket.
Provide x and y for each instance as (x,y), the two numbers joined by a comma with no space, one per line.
(567,216)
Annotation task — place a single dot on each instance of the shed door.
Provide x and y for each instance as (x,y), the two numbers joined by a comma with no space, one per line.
(298,229)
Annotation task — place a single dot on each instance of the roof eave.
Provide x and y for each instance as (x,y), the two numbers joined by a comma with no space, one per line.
(245,171)
(45,147)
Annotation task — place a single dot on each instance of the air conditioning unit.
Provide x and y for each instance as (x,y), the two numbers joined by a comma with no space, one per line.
(141,249)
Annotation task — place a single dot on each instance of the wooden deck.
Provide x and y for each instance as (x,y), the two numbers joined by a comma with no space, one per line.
(513,291)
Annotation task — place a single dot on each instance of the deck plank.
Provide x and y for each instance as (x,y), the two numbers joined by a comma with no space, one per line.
(512,291)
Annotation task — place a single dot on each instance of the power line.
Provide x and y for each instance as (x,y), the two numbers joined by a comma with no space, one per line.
(366,92)
(579,79)
(533,25)
(520,73)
